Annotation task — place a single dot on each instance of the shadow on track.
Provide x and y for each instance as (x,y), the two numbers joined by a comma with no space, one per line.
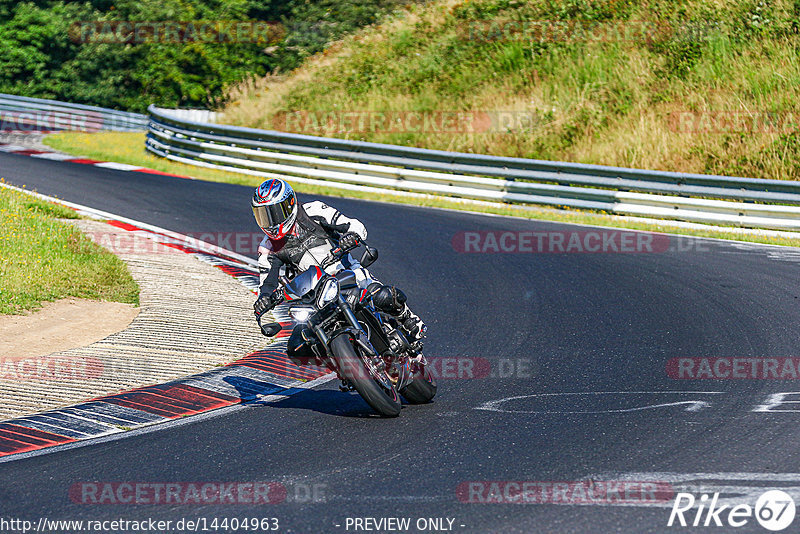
(327,401)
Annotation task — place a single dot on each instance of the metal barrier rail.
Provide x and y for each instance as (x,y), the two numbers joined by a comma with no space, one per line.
(750,202)
(20,113)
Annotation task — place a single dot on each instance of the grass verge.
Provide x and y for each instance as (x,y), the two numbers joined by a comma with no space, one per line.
(44,259)
(129,148)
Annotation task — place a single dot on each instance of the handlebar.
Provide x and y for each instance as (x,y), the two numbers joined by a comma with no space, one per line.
(336,254)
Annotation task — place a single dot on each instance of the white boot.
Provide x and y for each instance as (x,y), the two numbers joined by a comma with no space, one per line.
(412,324)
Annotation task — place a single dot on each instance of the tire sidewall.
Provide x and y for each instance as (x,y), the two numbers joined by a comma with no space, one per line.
(355,371)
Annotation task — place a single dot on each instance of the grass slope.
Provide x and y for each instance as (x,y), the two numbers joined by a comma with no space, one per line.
(707,86)
(44,259)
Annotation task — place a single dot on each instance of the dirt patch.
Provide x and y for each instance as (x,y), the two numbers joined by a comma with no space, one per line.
(62,325)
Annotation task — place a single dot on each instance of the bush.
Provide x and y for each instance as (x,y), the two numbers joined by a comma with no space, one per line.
(38,58)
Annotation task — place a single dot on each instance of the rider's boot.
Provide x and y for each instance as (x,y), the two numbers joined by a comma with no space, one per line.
(412,324)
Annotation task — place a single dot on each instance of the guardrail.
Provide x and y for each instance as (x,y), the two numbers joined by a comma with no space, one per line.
(20,113)
(749,202)
(194,115)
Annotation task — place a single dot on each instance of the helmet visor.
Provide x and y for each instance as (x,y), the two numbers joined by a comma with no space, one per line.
(271,216)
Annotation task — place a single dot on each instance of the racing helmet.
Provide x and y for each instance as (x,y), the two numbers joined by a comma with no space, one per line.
(275,208)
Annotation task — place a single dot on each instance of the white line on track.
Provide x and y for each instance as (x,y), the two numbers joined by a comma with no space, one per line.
(691,405)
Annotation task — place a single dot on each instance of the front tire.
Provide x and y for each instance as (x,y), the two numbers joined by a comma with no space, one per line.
(382,400)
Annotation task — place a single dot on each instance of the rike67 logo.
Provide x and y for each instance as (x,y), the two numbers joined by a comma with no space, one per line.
(774,510)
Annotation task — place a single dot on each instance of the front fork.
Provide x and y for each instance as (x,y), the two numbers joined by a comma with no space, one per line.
(358,333)
(347,311)
(351,320)
(362,339)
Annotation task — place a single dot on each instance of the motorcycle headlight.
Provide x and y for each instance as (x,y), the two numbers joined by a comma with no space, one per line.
(329,292)
(301,313)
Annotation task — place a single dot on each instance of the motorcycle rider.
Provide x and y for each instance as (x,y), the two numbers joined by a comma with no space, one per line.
(299,236)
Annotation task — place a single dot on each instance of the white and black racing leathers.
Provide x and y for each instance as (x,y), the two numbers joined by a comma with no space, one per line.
(308,244)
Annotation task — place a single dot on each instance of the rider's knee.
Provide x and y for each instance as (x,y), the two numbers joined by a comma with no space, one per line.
(390,299)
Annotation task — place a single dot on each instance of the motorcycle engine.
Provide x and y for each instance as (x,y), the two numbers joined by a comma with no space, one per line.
(397,341)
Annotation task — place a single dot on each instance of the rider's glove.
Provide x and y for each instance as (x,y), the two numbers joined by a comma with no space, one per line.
(266,303)
(350,240)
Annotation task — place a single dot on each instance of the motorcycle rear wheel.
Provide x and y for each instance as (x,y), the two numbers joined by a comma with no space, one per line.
(422,389)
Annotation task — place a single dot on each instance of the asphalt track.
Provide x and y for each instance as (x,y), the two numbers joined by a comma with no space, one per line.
(566,323)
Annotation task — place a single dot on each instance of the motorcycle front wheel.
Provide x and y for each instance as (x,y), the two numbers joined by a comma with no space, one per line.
(381,398)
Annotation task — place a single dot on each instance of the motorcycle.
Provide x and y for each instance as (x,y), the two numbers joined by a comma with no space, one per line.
(350,336)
